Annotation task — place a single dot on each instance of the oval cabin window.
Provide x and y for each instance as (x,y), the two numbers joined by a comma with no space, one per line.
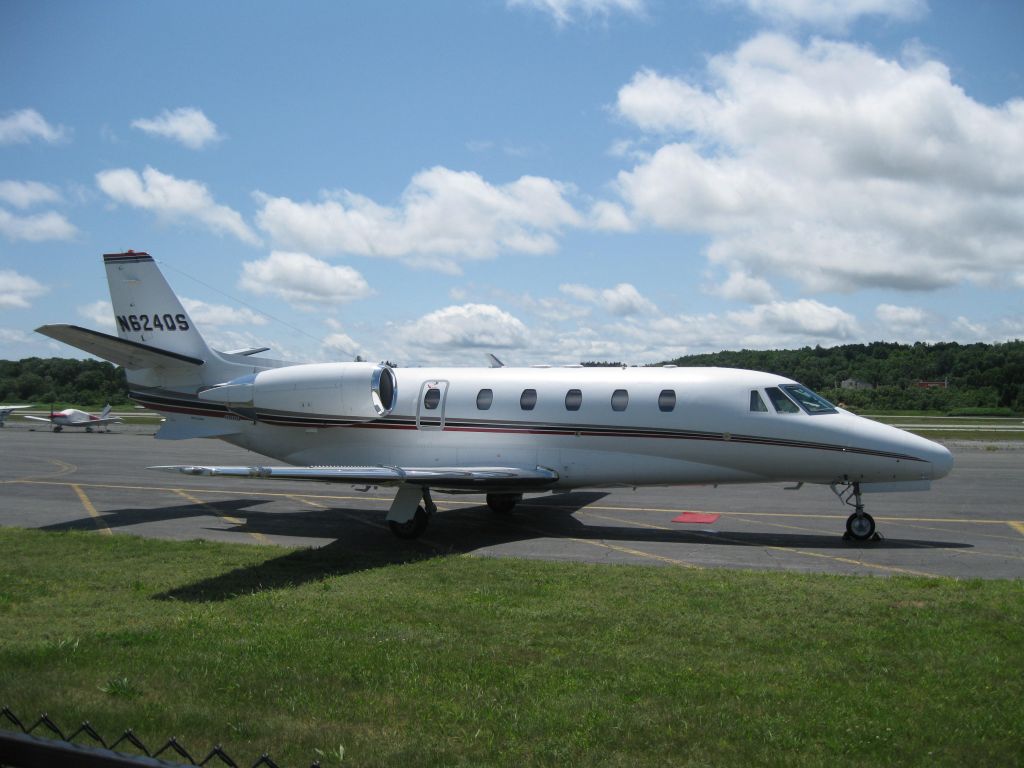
(484,398)
(528,399)
(667,400)
(432,398)
(620,399)
(573,400)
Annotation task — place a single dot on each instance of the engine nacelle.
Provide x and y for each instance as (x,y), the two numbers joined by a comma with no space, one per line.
(362,391)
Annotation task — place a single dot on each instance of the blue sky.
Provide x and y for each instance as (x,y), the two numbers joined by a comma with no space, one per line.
(548,180)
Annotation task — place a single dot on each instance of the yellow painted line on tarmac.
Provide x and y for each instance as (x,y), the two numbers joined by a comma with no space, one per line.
(637,553)
(102,526)
(63,468)
(228,518)
(1017,526)
(457,502)
(835,558)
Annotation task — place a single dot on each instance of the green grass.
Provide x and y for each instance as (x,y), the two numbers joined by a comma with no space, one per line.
(459,660)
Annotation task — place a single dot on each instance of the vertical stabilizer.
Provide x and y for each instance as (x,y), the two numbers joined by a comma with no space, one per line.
(145,308)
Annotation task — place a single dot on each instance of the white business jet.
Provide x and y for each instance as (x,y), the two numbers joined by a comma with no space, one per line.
(5,411)
(72,417)
(499,431)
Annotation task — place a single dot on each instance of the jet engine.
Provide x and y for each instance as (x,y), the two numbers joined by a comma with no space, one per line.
(361,391)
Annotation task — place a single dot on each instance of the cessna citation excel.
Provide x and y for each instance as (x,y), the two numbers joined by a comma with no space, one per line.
(497,431)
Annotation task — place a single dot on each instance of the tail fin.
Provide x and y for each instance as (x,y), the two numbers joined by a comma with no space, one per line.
(145,308)
(106,411)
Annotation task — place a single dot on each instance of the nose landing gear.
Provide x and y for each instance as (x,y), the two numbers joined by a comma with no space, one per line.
(860,526)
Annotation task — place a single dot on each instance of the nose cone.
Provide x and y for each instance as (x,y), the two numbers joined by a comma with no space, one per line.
(941,460)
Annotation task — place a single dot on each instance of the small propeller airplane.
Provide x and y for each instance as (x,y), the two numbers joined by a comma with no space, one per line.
(5,411)
(499,431)
(72,417)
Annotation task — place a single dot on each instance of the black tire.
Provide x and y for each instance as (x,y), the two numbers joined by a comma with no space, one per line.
(411,529)
(58,428)
(860,526)
(503,503)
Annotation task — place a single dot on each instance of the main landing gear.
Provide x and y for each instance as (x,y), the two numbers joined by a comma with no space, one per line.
(407,518)
(503,503)
(860,526)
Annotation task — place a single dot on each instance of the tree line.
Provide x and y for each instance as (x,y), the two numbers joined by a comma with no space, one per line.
(979,377)
(61,381)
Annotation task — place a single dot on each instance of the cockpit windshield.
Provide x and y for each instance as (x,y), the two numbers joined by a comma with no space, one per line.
(812,403)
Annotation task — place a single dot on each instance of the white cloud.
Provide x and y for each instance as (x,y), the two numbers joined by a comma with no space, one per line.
(186,125)
(27,124)
(467,326)
(341,342)
(99,313)
(805,317)
(25,194)
(12,336)
(901,317)
(566,11)
(40,226)
(218,315)
(444,216)
(740,286)
(17,290)
(301,280)
(832,14)
(971,330)
(624,299)
(610,217)
(173,199)
(580,292)
(832,165)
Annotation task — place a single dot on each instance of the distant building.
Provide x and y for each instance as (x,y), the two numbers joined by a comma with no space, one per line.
(934,384)
(855,384)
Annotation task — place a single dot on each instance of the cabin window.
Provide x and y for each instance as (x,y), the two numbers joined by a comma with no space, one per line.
(432,398)
(484,398)
(620,399)
(667,400)
(757,402)
(811,402)
(573,400)
(782,403)
(528,399)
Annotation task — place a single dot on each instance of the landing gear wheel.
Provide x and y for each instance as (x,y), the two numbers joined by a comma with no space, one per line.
(503,503)
(58,428)
(860,526)
(411,529)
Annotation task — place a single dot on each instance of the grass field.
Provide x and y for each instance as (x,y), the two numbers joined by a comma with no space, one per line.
(472,661)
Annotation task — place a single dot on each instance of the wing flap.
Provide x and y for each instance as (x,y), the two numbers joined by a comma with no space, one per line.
(455,478)
(133,355)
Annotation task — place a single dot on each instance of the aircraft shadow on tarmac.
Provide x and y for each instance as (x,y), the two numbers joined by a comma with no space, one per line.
(361,540)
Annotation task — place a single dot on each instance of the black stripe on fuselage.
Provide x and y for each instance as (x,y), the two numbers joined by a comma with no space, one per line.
(181,403)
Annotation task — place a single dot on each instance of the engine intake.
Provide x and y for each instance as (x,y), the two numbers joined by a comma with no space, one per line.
(347,390)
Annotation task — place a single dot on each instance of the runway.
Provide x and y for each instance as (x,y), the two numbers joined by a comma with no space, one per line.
(970,525)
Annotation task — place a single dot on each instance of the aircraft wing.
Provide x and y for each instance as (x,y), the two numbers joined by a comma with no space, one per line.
(445,478)
(130,354)
(36,418)
(10,408)
(99,422)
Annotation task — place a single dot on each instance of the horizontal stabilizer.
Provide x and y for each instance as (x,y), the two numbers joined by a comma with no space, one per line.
(133,355)
(462,478)
(247,351)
